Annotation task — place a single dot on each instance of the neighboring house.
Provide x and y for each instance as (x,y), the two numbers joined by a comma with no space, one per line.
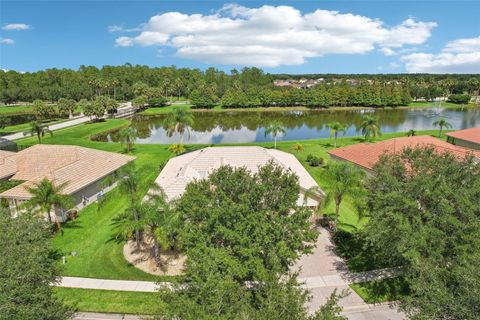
(80,168)
(468,138)
(181,170)
(366,155)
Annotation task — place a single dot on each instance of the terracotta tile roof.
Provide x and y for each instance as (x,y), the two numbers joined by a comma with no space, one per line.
(76,166)
(472,135)
(181,170)
(7,166)
(367,154)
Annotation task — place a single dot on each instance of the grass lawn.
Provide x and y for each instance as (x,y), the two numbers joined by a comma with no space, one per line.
(432,104)
(382,290)
(99,255)
(109,301)
(5,110)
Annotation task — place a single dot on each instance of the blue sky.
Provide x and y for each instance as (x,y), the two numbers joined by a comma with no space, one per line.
(281,37)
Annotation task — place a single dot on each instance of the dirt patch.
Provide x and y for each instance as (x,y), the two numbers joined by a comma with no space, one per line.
(171,262)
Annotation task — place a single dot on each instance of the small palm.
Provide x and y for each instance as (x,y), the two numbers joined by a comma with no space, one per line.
(274,129)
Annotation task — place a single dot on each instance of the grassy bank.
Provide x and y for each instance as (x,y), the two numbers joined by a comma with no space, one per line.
(218,108)
(109,301)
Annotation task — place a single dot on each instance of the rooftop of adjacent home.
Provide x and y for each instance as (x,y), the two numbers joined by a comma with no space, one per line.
(367,154)
(471,135)
(196,165)
(76,166)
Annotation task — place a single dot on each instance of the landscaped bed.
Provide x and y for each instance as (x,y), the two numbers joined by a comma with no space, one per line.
(382,290)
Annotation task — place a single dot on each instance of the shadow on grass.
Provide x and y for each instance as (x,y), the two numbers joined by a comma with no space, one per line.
(383,290)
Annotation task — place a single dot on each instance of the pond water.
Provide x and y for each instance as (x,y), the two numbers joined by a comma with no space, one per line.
(246,126)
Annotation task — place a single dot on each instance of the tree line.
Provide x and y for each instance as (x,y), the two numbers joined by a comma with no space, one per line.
(118,82)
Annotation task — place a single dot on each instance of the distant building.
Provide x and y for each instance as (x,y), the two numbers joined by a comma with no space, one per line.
(181,170)
(80,169)
(366,155)
(469,138)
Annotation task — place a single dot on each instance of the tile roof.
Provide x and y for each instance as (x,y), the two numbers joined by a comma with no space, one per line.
(181,170)
(367,154)
(76,166)
(472,135)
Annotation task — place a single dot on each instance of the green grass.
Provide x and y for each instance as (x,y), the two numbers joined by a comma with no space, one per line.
(430,104)
(109,301)
(382,290)
(5,110)
(98,254)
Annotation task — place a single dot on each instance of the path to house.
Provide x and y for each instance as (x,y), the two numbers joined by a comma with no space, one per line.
(53,127)
(321,272)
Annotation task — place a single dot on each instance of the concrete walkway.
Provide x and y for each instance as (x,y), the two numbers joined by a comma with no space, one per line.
(53,127)
(323,271)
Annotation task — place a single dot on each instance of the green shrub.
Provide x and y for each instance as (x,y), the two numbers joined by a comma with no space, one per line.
(459,98)
(314,161)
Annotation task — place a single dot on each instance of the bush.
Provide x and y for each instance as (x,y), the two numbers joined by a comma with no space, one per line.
(459,98)
(157,102)
(314,161)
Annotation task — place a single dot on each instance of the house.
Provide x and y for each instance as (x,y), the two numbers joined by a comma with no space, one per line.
(366,155)
(80,169)
(468,138)
(181,170)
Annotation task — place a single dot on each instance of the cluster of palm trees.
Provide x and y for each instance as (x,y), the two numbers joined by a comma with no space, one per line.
(151,215)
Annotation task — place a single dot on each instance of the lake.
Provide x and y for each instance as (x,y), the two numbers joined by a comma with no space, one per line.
(246,126)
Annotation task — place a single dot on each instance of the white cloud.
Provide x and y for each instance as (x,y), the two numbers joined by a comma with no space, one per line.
(458,56)
(271,36)
(6,41)
(16,26)
(114,28)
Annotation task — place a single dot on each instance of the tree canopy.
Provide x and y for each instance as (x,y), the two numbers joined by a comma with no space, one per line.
(425,217)
(27,268)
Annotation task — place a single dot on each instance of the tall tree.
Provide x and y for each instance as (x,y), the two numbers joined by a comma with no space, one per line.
(345,179)
(274,129)
(46,196)
(335,129)
(442,123)
(179,121)
(66,106)
(370,127)
(425,217)
(27,270)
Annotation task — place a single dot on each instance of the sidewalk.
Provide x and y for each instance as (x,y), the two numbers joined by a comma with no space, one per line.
(53,127)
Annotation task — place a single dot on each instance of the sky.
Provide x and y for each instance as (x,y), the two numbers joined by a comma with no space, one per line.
(293,37)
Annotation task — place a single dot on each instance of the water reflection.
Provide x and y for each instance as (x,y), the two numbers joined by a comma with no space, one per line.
(242,127)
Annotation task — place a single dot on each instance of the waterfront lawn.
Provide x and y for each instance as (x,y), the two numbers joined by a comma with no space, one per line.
(379,291)
(143,303)
(443,104)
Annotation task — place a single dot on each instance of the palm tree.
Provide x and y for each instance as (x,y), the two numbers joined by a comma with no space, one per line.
(322,199)
(370,127)
(47,196)
(345,179)
(39,129)
(179,121)
(127,137)
(442,123)
(411,133)
(335,128)
(274,129)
